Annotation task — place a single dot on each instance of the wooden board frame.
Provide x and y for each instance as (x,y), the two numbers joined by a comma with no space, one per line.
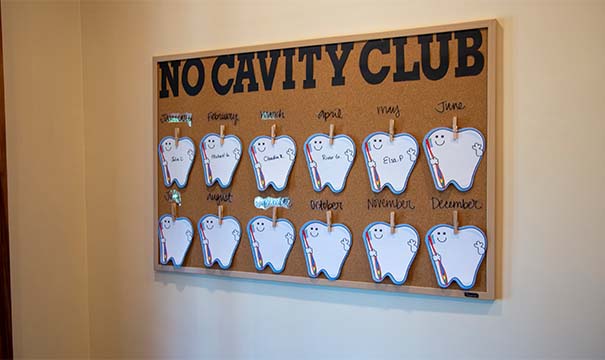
(489,293)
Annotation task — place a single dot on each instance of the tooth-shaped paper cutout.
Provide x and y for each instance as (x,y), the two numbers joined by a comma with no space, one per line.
(175,237)
(220,161)
(270,245)
(329,165)
(390,254)
(453,161)
(176,161)
(456,257)
(272,163)
(325,251)
(389,163)
(219,242)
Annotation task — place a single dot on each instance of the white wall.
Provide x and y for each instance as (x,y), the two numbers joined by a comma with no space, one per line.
(45,147)
(551,125)
(549,175)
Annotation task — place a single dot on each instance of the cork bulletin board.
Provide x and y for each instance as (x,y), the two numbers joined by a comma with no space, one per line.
(420,78)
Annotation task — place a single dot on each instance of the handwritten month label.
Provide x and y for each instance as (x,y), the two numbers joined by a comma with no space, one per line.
(265,203)
(220,160)
(219,240)
(176,160)
(270,244)
(456,257)
(272,162)
(175,236)
(325,251)
(329,164)
(389,163)
(390,253)
(454,161)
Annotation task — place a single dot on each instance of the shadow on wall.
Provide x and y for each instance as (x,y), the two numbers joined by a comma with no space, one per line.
(327,294)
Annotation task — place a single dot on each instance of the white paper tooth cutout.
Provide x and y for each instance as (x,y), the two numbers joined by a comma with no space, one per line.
(219,241)
(272,162)
(325,251)
(176,161)
(453,161)
(175,237)
(329,165)
(456,257)
(270,245)
(390,254)
(389,163)
(220,161)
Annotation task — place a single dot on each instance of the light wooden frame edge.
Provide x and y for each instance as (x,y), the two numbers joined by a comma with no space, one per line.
(490,293)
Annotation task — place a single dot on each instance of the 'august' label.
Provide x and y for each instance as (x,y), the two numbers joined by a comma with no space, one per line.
(220,198)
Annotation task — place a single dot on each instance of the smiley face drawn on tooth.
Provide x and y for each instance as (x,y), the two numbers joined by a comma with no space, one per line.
(441,236)
(439,139)
(211,144)
(260,146)
(167,145)
(166,223)
(260,226)
(377,143)
(378,233)
(314,232)
(317,145)
(209,224)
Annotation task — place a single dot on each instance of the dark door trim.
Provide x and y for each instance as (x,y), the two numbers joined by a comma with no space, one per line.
(6,331)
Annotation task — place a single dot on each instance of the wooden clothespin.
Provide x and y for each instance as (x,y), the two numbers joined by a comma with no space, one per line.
(391,129)
(177,133)
(220,214)
(222,134)
(331,134)
(273,134)
(455,221)
(455,127)
(392,222)
(274,217)
(329,220)
(173,210)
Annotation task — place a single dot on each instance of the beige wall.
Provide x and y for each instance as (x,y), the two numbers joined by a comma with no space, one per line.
(550,205)
(45,145)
